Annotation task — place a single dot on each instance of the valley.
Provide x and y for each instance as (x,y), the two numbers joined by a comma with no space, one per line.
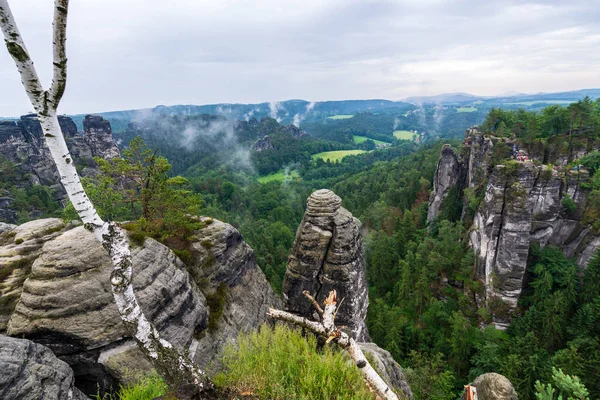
(460,238)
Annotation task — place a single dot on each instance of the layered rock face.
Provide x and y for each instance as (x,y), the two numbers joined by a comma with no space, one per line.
(67,304)
(238,293)
(31,371)
(522,204)
(57,279)
(263,144)
(328,254)
(22,143)
(447,176)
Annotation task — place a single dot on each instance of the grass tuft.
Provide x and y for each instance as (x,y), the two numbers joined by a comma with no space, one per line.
(281,364)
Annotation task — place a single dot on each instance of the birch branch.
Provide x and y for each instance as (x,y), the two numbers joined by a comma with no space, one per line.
(175,367)
(328,329)
(18,51)
(59,54)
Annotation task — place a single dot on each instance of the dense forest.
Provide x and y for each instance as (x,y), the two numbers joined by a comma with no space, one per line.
(423,306)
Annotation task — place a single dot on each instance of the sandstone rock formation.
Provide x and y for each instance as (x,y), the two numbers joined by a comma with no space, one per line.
(388,368)
(522,204)
(225,269)
(67,304)
(20,247)
(446,177)
(57,280)
(22,144)
(263,144)
(294,131)
(328,254)
(31,372)
(493,386)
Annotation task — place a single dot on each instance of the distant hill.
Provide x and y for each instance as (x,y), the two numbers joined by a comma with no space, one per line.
(506,98)
(445,98)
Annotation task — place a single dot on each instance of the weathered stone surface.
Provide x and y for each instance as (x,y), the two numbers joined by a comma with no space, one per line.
(493,386)
(328,254)
(97,134)
(23,145)
(294,131)
(67,303)
(388,368)
(523,204)
(446,177)
(17,256)
(225,269)
(31,372)
(37,228)
(263,144)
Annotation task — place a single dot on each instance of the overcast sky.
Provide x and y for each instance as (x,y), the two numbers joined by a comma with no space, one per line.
(126,54)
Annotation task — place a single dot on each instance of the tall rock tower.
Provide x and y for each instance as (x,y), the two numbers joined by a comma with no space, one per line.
(328,254)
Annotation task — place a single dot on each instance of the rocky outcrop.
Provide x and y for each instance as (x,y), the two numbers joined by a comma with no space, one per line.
(57,279)
(388,368)
(31,371)
(294,131)
(22,144)
(238,294)
(446,177)
(328,254)
(263,144)
(20,247)
(493,386)
(97,134)
(67,304)
(522,204)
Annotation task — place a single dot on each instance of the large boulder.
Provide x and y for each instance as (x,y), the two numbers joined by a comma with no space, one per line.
(238,294)
(67,304)
(31,371)
(492,386)
(328,254)
(19,247)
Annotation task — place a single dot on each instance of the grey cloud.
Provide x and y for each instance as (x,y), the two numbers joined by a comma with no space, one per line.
(127,54)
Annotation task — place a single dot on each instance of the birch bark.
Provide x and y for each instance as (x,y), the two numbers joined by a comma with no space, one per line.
(175,367)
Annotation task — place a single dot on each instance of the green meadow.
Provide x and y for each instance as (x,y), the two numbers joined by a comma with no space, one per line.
(404,135)
(278,176)
(334,156)
(360,139)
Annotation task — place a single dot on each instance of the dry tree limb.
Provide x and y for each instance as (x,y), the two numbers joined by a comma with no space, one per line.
(326,327)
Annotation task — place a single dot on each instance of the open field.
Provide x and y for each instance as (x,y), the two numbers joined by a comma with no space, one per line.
(341,116)
(466,109)
(404,135)
(278,176)
(528,103)
(360,139)
(334,156)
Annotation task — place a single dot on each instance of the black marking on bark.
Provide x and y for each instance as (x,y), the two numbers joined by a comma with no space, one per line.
(361,363)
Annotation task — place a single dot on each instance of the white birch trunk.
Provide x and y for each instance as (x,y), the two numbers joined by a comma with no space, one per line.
(328,329)
(176,368)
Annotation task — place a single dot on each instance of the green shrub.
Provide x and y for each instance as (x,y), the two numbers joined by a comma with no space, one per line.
(216,304)
(569,204)
(280,364)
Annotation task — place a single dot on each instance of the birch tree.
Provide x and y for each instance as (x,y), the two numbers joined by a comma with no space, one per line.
(175,367)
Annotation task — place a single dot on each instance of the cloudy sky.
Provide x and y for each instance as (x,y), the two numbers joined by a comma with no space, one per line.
(126,54)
